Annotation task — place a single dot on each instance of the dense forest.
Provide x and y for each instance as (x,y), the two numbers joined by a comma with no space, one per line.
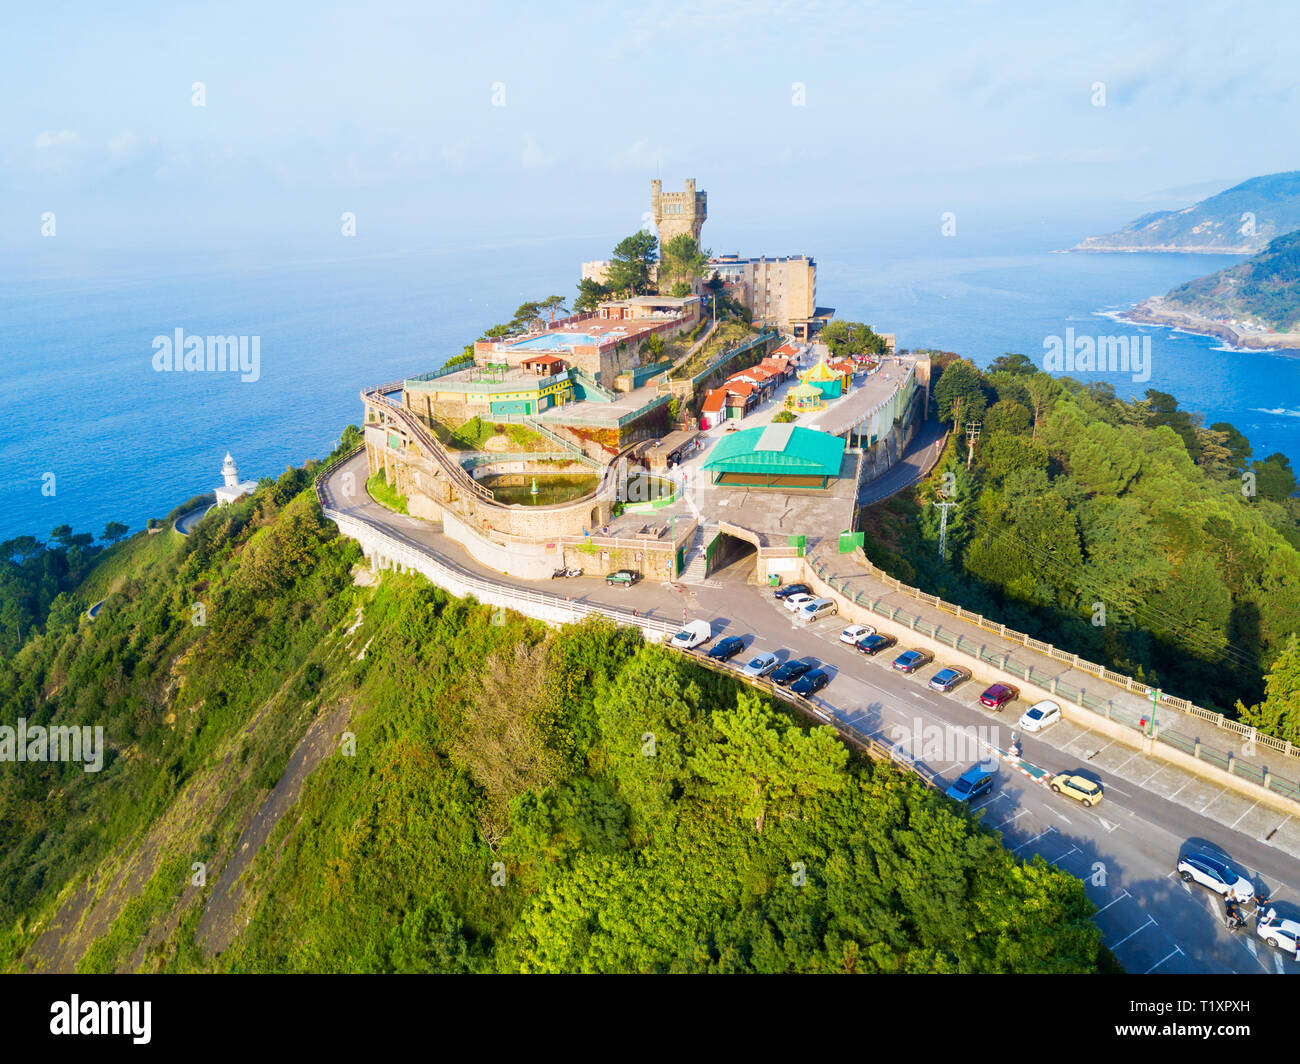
(1125,531)
(412,782)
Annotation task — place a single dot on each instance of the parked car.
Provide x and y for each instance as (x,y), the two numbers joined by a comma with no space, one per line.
(946,679)
(1040,715)
(999,695)
(726,649)
(791,589)
(692,635)
(971,784)
(911,660)
(798,600)
(854,632)
(1279,933)
(1077,787)
(874,644)
(810,683)
(816,610)
(791,670)
(622,578)
(1215,874)
(761,664)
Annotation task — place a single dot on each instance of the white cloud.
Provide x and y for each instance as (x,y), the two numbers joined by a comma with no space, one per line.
(47,139)
(639,155)
(124,145)
(534,155)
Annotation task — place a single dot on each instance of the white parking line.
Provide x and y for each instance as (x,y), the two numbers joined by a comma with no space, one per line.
(1049,831)
(1172,953)
(1016,817)
(1072,849)
(1243,815)
(1150,920)
(1126,894)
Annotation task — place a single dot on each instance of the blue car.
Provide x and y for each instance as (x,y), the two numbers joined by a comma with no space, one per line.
(971,784)
(791,589)
(946,679)
(791,670)
(810,683)
(911,660)
(725,649)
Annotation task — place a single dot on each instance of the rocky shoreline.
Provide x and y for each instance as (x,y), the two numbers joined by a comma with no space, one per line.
(1154,312)
(1181,249)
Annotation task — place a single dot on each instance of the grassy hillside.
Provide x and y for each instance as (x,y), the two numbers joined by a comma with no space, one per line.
(1220,223)
(1263,290)
(404,781)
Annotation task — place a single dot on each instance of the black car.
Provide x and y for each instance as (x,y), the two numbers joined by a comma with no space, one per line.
(791,670)
(725,649)
(791,589)
(874,644)
(810,683)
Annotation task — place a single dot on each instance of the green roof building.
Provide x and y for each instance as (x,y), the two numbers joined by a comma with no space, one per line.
(776,456)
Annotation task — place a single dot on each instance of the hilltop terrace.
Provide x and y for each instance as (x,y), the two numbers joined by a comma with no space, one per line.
(617,321)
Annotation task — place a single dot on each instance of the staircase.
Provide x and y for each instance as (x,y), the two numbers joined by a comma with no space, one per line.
(696,564)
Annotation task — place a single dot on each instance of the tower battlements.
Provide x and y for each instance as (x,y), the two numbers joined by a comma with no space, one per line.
(678,212)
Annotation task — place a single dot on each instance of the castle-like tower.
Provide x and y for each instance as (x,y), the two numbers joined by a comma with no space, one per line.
(678,212)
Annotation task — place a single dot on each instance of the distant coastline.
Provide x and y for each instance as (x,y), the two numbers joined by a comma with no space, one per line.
(1164,249)
(1155,311)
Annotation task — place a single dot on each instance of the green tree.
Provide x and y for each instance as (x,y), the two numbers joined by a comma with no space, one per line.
(113,531)
(1015,364)
(590,295)
(682,262)
(630,266)
(960,394)
(763,766)
(553,306)
(1279,713)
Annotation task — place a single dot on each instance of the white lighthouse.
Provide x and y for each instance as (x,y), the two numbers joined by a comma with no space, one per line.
(232,487)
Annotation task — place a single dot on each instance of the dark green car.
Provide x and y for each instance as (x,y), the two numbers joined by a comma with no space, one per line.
(622,578)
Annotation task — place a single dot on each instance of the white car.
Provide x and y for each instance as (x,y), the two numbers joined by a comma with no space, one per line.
(1040,715)
(854,632)
(692,635)
(796,602)
(1283,934)
(1216,874)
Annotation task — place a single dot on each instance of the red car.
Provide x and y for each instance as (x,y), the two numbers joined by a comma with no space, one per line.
(999,695)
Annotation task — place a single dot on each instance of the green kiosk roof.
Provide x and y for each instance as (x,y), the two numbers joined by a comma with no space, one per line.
(779,451)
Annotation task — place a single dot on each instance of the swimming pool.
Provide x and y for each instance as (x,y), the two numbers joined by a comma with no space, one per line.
(557,341)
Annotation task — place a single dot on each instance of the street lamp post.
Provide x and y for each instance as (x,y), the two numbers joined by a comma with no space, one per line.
(1155,697)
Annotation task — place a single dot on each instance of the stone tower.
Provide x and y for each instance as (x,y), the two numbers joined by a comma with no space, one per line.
(678,212)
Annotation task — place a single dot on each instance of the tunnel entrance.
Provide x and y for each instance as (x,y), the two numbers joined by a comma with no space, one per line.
(730,558)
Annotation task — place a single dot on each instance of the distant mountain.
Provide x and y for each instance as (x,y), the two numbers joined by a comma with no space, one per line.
(1241,220)
(1255,303)
(1263,290)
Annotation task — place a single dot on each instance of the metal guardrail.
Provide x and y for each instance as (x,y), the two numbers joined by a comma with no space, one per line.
(1118,679)
(1225,760)
(432,447)
(870,745)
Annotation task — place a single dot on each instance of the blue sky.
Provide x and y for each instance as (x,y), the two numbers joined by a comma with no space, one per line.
(386,109)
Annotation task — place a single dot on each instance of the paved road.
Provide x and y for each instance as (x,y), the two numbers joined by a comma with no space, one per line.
(1124,850)
(919,458)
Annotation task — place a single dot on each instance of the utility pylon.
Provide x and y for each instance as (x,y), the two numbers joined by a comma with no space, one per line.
(972,434)
(944,507)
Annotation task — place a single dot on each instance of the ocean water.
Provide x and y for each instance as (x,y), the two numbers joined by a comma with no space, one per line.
(82,400)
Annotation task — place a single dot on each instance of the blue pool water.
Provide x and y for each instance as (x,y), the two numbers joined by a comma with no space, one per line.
(563,341)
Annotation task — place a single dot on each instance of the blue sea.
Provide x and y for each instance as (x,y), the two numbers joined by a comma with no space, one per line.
(82,400)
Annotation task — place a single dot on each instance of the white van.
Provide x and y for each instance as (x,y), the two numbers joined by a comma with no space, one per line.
(816,609)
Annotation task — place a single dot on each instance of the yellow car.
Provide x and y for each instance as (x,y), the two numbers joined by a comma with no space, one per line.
(1078,788)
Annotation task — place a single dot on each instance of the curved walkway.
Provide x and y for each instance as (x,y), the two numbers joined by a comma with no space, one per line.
(920,457)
